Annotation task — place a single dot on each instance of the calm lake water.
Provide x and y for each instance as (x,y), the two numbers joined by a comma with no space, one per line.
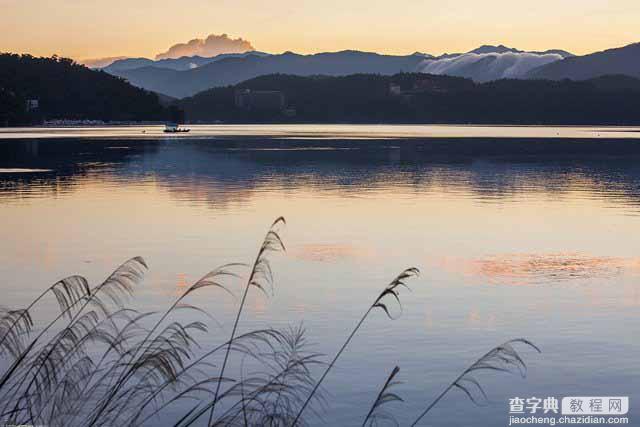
(519,232)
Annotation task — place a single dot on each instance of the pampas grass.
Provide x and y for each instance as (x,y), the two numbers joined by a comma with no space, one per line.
(377,414)
(391,291)
(99,362)
(503,358)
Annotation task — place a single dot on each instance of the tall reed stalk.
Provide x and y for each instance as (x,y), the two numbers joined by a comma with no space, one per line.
(259,276)
(390,290)
(384,396)
(502,358)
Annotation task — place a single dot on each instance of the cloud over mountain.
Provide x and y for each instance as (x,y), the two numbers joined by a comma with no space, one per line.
(489,66)
(211,46)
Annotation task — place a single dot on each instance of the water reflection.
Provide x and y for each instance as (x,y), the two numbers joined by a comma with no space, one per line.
(525,269)
(330,253)
(478,215)
(220,172)
(324,132)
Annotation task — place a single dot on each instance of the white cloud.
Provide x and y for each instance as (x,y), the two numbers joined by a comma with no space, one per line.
(489,66)
(211,46)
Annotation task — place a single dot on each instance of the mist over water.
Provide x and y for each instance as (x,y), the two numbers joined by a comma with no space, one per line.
(516,237)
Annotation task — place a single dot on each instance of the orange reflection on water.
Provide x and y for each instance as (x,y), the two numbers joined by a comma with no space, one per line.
(525,269)
(478,320)
(182,283)
(330,252)
(531,268)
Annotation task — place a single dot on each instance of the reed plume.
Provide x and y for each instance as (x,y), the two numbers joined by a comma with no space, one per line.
(377,413)
(390,291)
(503,358)
(37,370)
(260,277)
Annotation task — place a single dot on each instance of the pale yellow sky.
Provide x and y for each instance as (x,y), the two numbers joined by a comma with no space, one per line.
(98,28)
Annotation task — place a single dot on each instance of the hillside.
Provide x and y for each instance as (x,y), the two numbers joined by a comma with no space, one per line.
(150,78)
(623,60)
(423,98)
(66,90)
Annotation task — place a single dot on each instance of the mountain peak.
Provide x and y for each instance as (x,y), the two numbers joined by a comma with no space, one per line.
(487,48)
(423,54)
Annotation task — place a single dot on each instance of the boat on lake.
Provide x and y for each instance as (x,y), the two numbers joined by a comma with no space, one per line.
(174,128)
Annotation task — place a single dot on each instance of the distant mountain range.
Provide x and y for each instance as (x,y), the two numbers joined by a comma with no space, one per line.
(187,76)
(177,64)
(349,86)
(235,69)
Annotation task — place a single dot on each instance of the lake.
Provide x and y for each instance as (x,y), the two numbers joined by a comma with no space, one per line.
(518,232)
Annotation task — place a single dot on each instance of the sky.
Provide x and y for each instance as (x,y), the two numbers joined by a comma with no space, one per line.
(97,28)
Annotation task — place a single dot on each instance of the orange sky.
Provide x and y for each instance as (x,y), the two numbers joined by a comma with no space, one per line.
(98,28)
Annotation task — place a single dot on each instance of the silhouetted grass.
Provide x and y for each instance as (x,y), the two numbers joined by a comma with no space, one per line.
(503,358)
(390,291)
(377,414)
(259,277)
(98,362)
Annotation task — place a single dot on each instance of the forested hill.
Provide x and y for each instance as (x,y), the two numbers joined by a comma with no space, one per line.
(66,90)
(425,98)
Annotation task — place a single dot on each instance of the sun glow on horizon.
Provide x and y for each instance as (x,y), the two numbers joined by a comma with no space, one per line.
(99,28)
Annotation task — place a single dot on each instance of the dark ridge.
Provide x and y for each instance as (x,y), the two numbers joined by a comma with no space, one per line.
(61,89)
(424,98)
